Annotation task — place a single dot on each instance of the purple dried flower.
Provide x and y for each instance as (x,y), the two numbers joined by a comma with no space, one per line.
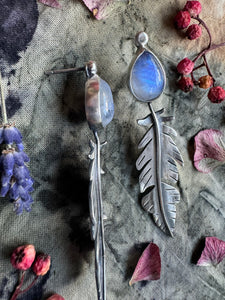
(20,147)
(11,135)
(8,161)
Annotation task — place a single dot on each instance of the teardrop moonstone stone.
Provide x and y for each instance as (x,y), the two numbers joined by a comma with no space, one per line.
(147,77)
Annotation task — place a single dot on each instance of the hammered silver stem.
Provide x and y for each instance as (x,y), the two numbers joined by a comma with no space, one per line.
(96,213)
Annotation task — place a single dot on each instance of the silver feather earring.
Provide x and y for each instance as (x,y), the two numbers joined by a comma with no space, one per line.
(99,109)
(157,160)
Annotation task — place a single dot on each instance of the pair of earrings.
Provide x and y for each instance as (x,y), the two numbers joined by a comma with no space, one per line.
(157,160)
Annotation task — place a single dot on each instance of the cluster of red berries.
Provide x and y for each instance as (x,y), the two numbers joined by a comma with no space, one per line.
(186,66)
(23,258)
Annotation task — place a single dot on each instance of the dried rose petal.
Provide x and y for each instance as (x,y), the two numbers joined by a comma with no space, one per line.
(23,257)
(209,150)
(213,253)
(98,7)
(41,264)
(56,297)
(52,3)
(148,266)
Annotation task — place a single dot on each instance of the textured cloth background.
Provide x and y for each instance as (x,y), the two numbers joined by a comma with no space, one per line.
(49,111)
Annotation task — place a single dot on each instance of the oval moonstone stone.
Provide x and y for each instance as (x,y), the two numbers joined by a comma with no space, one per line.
(147,77)
(99,105)
(106,103)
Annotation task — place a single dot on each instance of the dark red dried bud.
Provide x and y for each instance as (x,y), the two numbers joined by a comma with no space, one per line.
(216,94)
(193,7)
(186,84)
(182,19)
(205,82)
(23,257)
(194,31)
(41,264)
(185,66)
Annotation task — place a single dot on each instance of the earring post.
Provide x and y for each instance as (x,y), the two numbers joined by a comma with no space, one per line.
(50,72)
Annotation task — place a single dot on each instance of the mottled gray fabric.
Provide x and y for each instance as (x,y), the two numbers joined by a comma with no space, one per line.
(56,137)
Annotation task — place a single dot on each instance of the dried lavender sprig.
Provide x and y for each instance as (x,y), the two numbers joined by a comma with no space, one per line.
(15,178)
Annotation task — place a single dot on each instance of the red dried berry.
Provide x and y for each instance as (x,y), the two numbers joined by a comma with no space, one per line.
(186,84)
(182,19)
(41,264)
(185,66)
(205,82)
(23,257)
(194,31)
(216,94)
(193,7)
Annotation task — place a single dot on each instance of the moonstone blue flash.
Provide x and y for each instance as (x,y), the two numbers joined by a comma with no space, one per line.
(106,103)
(147,77)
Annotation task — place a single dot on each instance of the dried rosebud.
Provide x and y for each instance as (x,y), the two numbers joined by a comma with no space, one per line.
(193,7)
(23,257)
(41,264)
(56,297)
(205,82)
(185,66)
(194,31)
(185,84)
(182,19)
(216,94)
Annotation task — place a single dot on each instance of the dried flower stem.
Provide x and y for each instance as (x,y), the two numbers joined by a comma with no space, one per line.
(204,51)
(18,290)
(4,113)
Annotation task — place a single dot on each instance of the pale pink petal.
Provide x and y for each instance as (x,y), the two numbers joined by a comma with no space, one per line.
(213,253)
(52,3)
(148,266)
(209,150)
(99,8)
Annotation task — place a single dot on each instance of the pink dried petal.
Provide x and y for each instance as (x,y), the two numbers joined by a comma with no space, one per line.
(213,253)
(209,150)
(52,3)
(98,7)
(148,266)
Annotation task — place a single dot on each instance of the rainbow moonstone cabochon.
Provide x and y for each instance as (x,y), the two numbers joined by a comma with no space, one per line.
(147,79)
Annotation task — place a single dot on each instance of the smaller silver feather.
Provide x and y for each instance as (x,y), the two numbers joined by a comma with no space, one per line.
(158,171)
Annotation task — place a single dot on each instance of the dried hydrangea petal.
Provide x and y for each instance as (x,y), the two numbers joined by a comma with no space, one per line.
(52,3)
(209,150)
(148,266)
(213,253)
(99,8)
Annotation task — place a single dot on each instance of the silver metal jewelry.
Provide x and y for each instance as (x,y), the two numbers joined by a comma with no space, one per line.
(157,160)
(99,109)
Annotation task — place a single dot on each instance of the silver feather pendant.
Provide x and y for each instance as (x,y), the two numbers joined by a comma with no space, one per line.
(157,161)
